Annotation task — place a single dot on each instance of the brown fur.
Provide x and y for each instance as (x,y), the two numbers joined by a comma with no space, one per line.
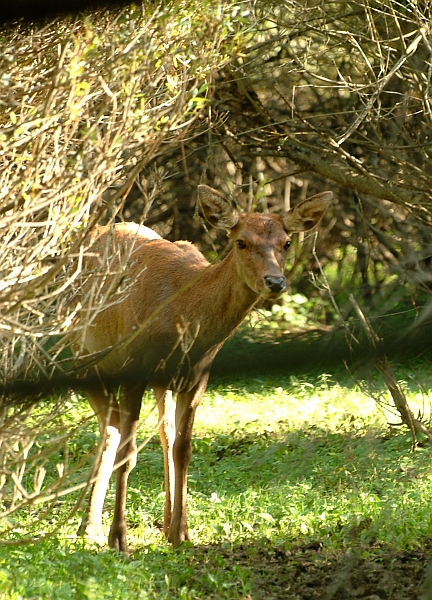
(165,331)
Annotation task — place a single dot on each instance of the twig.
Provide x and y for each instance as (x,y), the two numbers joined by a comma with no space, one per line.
(390,380)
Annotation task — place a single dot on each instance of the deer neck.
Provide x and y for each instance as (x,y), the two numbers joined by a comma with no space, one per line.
(228,299)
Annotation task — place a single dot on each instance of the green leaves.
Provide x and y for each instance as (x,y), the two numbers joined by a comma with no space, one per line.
(278,462)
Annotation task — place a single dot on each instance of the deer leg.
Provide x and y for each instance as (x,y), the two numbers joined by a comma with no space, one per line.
(105,406)
(186,406)
(130,406)
(166,408)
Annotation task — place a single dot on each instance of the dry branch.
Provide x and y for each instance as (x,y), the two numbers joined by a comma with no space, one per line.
(86,104)
(387,373)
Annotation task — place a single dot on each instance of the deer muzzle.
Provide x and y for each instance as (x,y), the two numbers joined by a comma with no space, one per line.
(276,285)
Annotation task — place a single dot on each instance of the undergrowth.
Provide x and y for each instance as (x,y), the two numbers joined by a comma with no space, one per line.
(279,462)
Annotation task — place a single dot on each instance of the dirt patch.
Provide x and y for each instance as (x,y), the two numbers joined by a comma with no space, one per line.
(311,573)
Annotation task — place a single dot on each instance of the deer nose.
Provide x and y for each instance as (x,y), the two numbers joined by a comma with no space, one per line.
(275,284)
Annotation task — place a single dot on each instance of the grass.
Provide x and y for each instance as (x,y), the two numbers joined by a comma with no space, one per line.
(279,462)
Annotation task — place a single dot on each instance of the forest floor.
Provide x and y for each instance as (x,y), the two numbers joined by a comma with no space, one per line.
(308,573)
(301,487)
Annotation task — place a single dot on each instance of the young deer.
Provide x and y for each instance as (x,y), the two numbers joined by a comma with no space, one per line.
(165,331)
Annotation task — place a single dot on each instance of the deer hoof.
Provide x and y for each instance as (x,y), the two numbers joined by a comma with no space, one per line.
(178,537)
(117,539)
(94,534)
(91,531)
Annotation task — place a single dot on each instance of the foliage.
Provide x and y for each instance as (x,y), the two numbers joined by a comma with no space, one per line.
(294,312)
(278,462)
(87,103)
(120,113)
(332,95)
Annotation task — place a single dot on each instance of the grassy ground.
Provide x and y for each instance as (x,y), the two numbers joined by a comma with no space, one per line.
(298,488)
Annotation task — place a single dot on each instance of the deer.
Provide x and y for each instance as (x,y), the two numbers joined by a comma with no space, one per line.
(164,333)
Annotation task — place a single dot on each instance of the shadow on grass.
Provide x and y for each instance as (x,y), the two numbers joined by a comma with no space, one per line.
(262,571)
(269,567)
(302,352)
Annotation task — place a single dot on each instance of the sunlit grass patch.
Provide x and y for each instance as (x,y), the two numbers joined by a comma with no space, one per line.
(284,403)
(278,461)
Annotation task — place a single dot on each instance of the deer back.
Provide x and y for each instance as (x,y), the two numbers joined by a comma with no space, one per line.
(162,311)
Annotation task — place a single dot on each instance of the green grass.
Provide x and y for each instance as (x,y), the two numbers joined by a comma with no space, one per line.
(278,462)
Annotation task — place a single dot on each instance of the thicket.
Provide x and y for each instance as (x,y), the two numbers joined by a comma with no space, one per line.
(119,114)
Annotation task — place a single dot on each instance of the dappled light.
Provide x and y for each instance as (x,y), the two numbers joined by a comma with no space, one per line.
(289,466)
(289,143)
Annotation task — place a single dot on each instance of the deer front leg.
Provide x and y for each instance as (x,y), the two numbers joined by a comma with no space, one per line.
(166,408)
(130,406)
(105,406)
(187,404)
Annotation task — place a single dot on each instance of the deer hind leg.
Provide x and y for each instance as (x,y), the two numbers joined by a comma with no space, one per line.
(106,408)
(166,408)
(187,404)
(130,406)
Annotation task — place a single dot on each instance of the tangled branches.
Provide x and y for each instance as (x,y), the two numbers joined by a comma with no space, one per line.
(86,104)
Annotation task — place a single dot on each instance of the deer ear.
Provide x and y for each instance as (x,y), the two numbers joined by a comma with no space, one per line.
(217,209)
(307,214)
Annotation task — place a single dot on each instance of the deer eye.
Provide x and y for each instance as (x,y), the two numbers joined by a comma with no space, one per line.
(241,244)
(287,245)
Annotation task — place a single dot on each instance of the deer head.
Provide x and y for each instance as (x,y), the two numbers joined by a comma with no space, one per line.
(261,241)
